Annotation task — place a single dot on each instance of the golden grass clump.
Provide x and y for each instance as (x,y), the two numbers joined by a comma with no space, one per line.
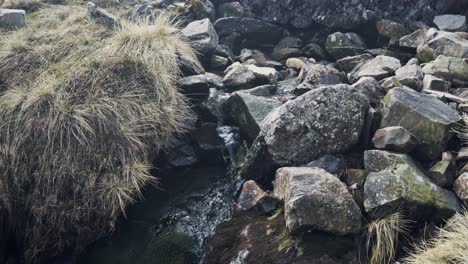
(83,110)
(382,238)
(449,246)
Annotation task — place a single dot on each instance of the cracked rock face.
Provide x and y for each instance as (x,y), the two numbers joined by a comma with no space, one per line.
(323,121)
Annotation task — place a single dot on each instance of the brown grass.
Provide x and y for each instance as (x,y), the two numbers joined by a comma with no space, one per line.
(83,109)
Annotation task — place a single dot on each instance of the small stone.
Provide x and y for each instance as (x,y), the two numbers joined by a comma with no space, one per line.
(450,22)
(414,39)
(347,64)
(329,163)
(411,76)
(430,82)
(286,48)
(318,76)
(250,195)
(460,186)
(394,138)
(202,35)
(443,173)
(392,31)
(370,87)
(239,78)
(218,62)
(101,16)
(340,45)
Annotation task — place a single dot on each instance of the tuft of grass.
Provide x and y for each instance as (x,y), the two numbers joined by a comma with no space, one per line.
(83,111)
(382,238)
(449,246)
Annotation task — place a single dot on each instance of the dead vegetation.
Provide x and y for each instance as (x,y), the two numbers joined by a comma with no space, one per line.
(83,109)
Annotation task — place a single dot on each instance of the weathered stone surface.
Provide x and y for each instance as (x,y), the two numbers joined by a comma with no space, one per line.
(451,69)
(414,39)
(202,35)
(348,13)
(442,43)
(240,77)
(198,86)
(427,118)
(443,173)
(450,22)
(330,164)
(315,199)
(340,45)
(248,111)
(430,82)
(379,68)
(396,182)
(370,88)
(460,186)
(287,47)
(314,50)
(233,9)
(394,138)
(250,195)
(411,76)
(347,64)
(13,18)
(317,76)
(391,31)
(323,121)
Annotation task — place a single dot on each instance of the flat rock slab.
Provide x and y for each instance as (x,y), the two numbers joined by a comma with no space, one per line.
(450,22)
(12,18)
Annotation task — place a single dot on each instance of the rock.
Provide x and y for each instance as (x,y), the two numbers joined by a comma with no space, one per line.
(413,61)
(250,195)
(238,78)
(443,43)
(394,138)
(355,180)
(201,9)
(391,31)
(233,9)
(323,121)
(12,18)
(370,88)
(460,186)
(202,35)
(463,154)
(102,17)
(429,119)
(389,83)
(431,82)
(226,52)
(340,45)
(316,200)
(411,76)
(347,64)
(443,173)
(450,22)
(396,182)
(414,39)
(348,14)
(181,154)
(379,68)
(248,111)
(218,62)
(286,48)
(296,64)
(265,75)
(313,50)
(329,163)
(247,32)
(266,90)
(209,146)
(198,86)
(451,69)
(318,76)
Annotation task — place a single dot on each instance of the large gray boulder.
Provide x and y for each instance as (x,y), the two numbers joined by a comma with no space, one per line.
(323,121)
(411,76)
(426,117)
(316,200)
(248,111)
(396,182)
(451,69)
(348,14)
(202,35)
(340,45)
(379,68)
(442,43)
(12,18)
(450,22)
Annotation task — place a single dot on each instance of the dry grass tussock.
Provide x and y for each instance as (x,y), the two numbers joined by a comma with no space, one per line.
(449,246)
(82,111)
(382,238)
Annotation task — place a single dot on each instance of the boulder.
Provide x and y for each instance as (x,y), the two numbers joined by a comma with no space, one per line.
(450,22)
(218,62)
(370,88)
(451,69)
(460,186)
(233,9)
(12,18)
(317,76)
(391,31)
(250,195)
(443,173)
(316,200)
(198,86)
(347,64)
(240,77)
(340,45)
(287,47)
(394,138)
(181,154)
(329,163)
(396,182)
(379,68)
(430,82)
(248,111)
(414,39)
(442,43)
(326,120)
(411,76)
(202,35)
(314,50)
(426,117)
